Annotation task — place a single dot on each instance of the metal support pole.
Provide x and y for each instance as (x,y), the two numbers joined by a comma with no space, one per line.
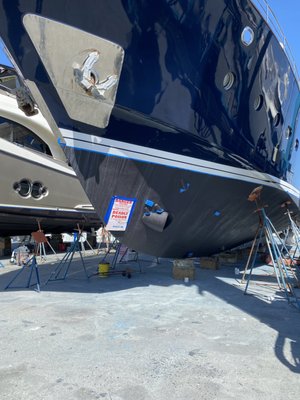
(33,266)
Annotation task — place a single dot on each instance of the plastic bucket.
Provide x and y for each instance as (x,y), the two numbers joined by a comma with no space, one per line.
(103,270)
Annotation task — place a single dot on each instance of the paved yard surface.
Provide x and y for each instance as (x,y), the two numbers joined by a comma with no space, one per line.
(146,338)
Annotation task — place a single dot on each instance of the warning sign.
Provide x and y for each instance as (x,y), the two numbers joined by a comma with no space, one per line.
(119,213)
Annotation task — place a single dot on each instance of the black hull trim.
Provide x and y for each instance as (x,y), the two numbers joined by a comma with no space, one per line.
(206,214)
(20,221)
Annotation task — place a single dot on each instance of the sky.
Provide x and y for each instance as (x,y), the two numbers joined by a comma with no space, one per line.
(287,13)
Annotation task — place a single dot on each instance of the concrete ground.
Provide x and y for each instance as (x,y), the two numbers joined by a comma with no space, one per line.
(146,338)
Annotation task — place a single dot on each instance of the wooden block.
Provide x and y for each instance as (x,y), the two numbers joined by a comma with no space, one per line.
(5,243)
(209,262)
(228,258)
(184,268)
(242,254)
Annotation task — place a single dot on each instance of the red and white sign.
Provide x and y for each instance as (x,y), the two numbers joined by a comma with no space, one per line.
(119,214)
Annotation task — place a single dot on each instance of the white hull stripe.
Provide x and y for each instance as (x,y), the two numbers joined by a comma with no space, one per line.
(82,141)
(56,209)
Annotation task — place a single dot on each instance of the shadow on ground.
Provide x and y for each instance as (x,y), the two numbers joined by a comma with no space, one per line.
(266,304)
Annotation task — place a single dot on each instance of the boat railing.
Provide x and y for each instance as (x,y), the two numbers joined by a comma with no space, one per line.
(272,21)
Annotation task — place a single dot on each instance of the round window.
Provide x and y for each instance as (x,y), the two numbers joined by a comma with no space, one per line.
(277,119)
(228,80)
(23,187)
(288,132)
(258,102)
(37,190)
(247,36)
(45,191)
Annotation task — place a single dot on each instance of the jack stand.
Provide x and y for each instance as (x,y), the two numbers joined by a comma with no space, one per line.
(296,233)
(116,245)
(279,255)
(32,264)
(66,261)
(88,243)
(120,254)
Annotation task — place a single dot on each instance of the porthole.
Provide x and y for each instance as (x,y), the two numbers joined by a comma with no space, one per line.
(45,191)
(27,189)
(296,144)
(16,186)
(36,191)
(288,132)
(258,102)
(23,188)
(277,119)
(228,80)
(247,36)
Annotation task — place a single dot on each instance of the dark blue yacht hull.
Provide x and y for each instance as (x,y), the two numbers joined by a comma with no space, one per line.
(196,105)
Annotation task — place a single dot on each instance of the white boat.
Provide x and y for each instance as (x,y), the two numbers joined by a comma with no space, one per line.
(37,184)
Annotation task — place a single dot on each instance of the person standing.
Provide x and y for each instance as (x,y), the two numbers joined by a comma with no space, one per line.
(104,236)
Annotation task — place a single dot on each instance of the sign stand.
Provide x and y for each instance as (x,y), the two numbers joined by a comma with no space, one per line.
(40,239)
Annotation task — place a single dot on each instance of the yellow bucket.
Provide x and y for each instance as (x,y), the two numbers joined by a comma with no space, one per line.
(103,270)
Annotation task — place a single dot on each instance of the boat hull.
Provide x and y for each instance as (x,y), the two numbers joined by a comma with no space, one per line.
(207,213)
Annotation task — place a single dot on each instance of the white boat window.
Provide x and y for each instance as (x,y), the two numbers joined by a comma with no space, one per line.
(18,134)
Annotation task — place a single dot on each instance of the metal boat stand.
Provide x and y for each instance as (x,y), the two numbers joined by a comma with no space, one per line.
(119,257)
(61,271)
(281,260)
(32,265)
(296,234)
